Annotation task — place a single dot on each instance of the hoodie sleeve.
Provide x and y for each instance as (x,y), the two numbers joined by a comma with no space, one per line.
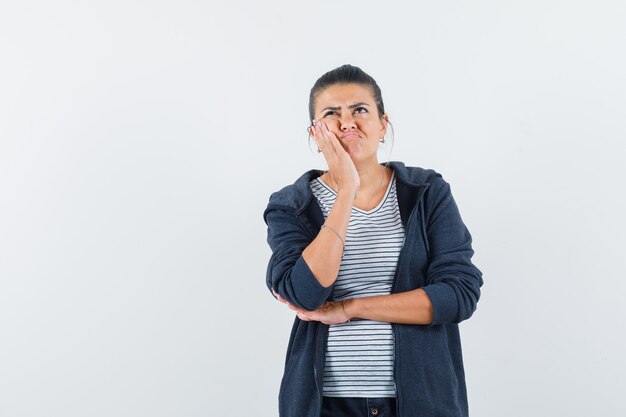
(453,282)
(287,272)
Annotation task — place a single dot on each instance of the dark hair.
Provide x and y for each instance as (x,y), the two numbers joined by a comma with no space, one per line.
(345,74)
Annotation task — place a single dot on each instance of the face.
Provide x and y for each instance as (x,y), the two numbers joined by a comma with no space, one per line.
(350,112)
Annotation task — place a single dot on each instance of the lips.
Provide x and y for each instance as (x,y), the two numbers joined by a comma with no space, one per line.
(349,135)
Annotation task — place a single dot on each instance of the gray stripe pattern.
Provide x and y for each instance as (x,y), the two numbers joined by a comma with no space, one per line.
(360,353)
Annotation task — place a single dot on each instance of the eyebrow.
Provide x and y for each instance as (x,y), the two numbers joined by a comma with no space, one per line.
(352,106)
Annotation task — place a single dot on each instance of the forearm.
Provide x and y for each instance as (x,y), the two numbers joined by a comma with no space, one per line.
(410,307)
(324,253)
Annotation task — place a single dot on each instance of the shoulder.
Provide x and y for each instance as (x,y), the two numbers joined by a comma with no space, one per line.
(414,175)
(294,196)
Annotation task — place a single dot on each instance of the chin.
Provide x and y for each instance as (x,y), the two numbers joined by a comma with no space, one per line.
(357,157)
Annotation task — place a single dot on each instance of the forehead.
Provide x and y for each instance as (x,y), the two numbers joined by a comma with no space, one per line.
(340,94)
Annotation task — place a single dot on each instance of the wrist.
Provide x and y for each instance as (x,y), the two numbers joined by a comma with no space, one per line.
(347,193)
(349,308)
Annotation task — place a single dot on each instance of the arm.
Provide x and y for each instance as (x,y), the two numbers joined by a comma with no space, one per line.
(300,270)
(410,307)
(324,254)
(453,281)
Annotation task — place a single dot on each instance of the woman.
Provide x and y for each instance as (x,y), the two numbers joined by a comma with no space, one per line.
(376,261)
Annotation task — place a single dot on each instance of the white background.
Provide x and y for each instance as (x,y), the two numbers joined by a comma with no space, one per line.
(140,141)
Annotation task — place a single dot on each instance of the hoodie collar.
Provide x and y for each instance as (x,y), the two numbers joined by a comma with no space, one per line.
(409,176)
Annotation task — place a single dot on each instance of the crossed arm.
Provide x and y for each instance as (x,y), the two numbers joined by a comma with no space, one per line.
(303,278)
(410,307)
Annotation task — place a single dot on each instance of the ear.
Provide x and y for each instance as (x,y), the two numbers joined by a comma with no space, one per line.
(384,123)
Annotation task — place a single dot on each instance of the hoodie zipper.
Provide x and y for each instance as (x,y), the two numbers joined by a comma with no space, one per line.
(396,336)
(396,342)
(317,386)
(395,347)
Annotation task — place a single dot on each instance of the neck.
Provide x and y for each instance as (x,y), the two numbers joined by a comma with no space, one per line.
(370,175)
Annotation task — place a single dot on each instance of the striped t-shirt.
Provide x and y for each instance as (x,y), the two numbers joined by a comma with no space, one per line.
(360,353)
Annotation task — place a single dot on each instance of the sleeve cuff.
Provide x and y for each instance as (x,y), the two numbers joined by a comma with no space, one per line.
(310,293)
(441,296)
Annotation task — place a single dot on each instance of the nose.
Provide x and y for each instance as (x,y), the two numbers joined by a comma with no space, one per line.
(347,122)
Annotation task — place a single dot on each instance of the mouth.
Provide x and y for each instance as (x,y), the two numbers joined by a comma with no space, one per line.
(349,135)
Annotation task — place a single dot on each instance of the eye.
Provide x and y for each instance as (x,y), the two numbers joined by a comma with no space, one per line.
(329,113)
(360,110)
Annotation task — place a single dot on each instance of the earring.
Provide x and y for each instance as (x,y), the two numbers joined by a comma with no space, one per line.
(382,140)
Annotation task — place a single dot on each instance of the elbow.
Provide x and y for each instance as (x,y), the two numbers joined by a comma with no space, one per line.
(452,302)
(467,303)
(298,285)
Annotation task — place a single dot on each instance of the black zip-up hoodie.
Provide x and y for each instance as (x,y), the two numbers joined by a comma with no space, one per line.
(435,256)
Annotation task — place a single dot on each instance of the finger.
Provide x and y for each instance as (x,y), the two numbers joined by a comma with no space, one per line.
(323,140)
(277,295)
(334,149)
(325,135)
(317,135)
(314,132)
(333,140)
(303,317)
(279,298)
(318,141)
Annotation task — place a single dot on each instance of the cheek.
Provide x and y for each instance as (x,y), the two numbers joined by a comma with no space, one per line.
(370,128)
(333,124)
